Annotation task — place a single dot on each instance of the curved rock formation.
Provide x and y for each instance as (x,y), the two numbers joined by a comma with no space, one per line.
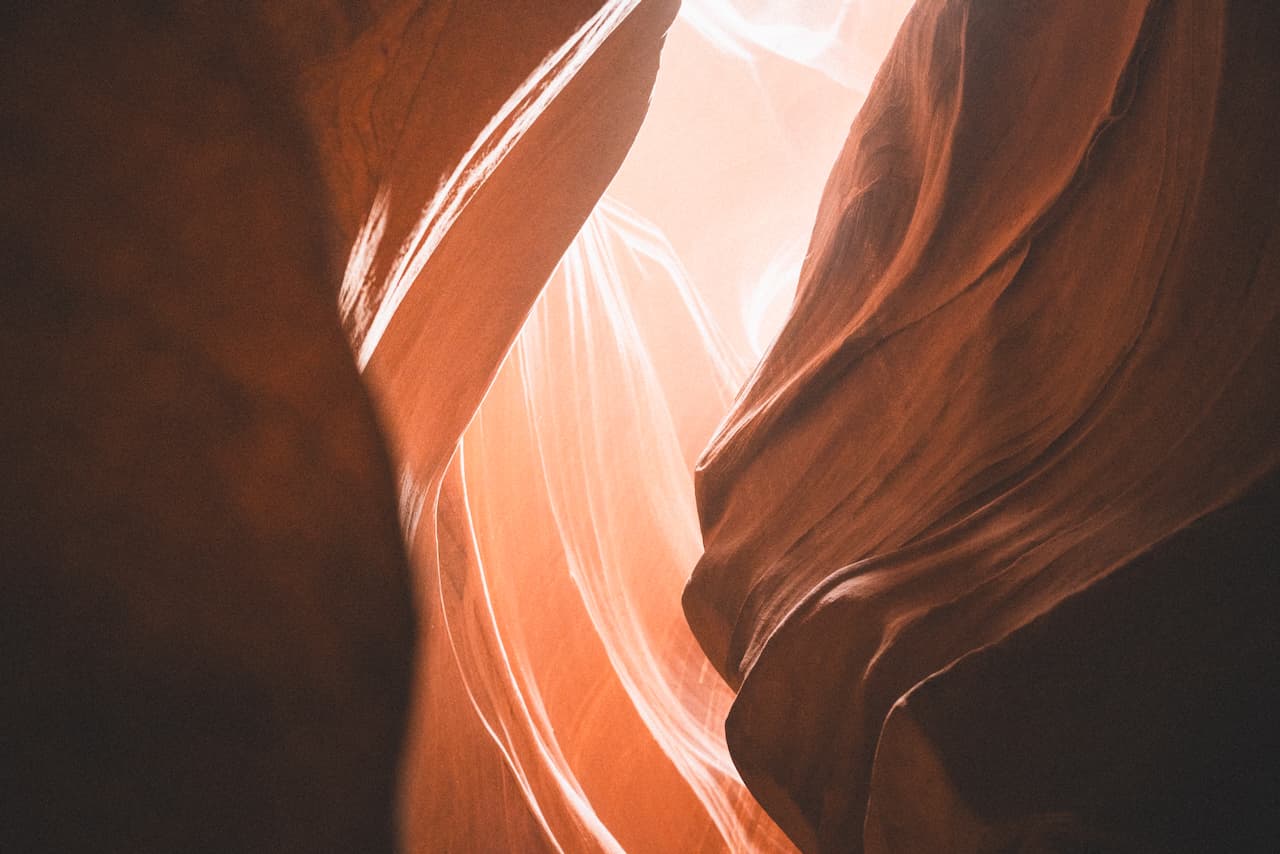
(481,193)
(980,516)
(206,596)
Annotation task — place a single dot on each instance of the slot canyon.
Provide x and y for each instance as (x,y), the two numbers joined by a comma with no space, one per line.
(641,426)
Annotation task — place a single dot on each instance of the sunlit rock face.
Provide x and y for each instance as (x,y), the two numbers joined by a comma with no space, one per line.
(443,273)
(987,532)
(567,706)
(990,532)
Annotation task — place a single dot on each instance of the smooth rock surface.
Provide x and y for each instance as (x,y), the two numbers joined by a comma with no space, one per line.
(1034,338)
(207,618)
(206,597)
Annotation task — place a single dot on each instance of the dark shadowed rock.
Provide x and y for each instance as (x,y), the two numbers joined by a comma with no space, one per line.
(209,619)
(208,625)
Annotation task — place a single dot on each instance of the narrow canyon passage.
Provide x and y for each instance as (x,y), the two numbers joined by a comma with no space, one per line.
(640,425)
(557,652)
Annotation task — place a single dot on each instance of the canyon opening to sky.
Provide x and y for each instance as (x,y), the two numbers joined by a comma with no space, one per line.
(562,625)
(641,426)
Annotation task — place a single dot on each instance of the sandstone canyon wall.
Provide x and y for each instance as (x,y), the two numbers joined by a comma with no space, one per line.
(352,404)
(207,617)
(990,532)
(208,608)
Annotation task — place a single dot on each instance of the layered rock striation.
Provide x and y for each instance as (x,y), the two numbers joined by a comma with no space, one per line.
(988,533)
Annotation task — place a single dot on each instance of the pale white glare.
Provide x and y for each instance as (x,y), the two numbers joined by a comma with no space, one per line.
(769,299)
(567,524)
(844,39)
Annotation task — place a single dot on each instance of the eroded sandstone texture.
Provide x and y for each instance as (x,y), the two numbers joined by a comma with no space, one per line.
(990,537)
(441,350)
(208,617)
